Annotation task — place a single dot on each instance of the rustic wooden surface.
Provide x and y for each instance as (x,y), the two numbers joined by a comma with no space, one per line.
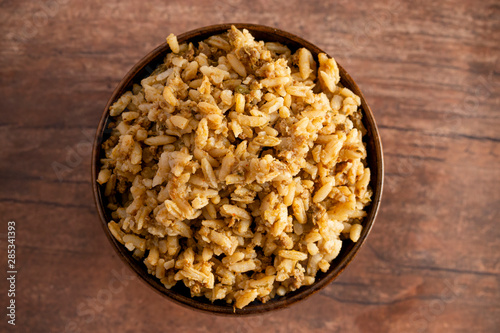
(430,71)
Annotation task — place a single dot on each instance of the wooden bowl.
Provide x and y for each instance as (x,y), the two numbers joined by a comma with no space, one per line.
(180,294)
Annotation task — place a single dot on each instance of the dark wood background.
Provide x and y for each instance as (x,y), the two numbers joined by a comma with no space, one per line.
(430,71)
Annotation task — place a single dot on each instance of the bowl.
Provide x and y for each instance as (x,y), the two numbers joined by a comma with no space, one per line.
(179,293)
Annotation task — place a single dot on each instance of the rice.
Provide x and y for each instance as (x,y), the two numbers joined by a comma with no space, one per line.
(237,167)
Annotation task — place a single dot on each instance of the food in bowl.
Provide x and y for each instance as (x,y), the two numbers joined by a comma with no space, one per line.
(237,167)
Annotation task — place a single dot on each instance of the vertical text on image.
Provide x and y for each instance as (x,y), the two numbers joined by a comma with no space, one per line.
(11,272)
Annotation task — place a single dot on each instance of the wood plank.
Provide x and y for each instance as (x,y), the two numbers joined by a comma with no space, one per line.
(431,73)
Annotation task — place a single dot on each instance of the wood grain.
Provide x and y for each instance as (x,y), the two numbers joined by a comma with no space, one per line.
(429,70)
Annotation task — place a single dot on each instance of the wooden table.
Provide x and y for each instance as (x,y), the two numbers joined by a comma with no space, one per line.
(429,69)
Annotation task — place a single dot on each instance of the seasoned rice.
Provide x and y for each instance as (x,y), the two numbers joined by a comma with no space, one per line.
(237,167)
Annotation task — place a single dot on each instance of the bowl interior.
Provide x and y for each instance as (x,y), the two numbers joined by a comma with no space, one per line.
(180,293)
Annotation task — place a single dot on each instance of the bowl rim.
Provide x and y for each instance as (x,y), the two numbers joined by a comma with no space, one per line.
(278,302)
